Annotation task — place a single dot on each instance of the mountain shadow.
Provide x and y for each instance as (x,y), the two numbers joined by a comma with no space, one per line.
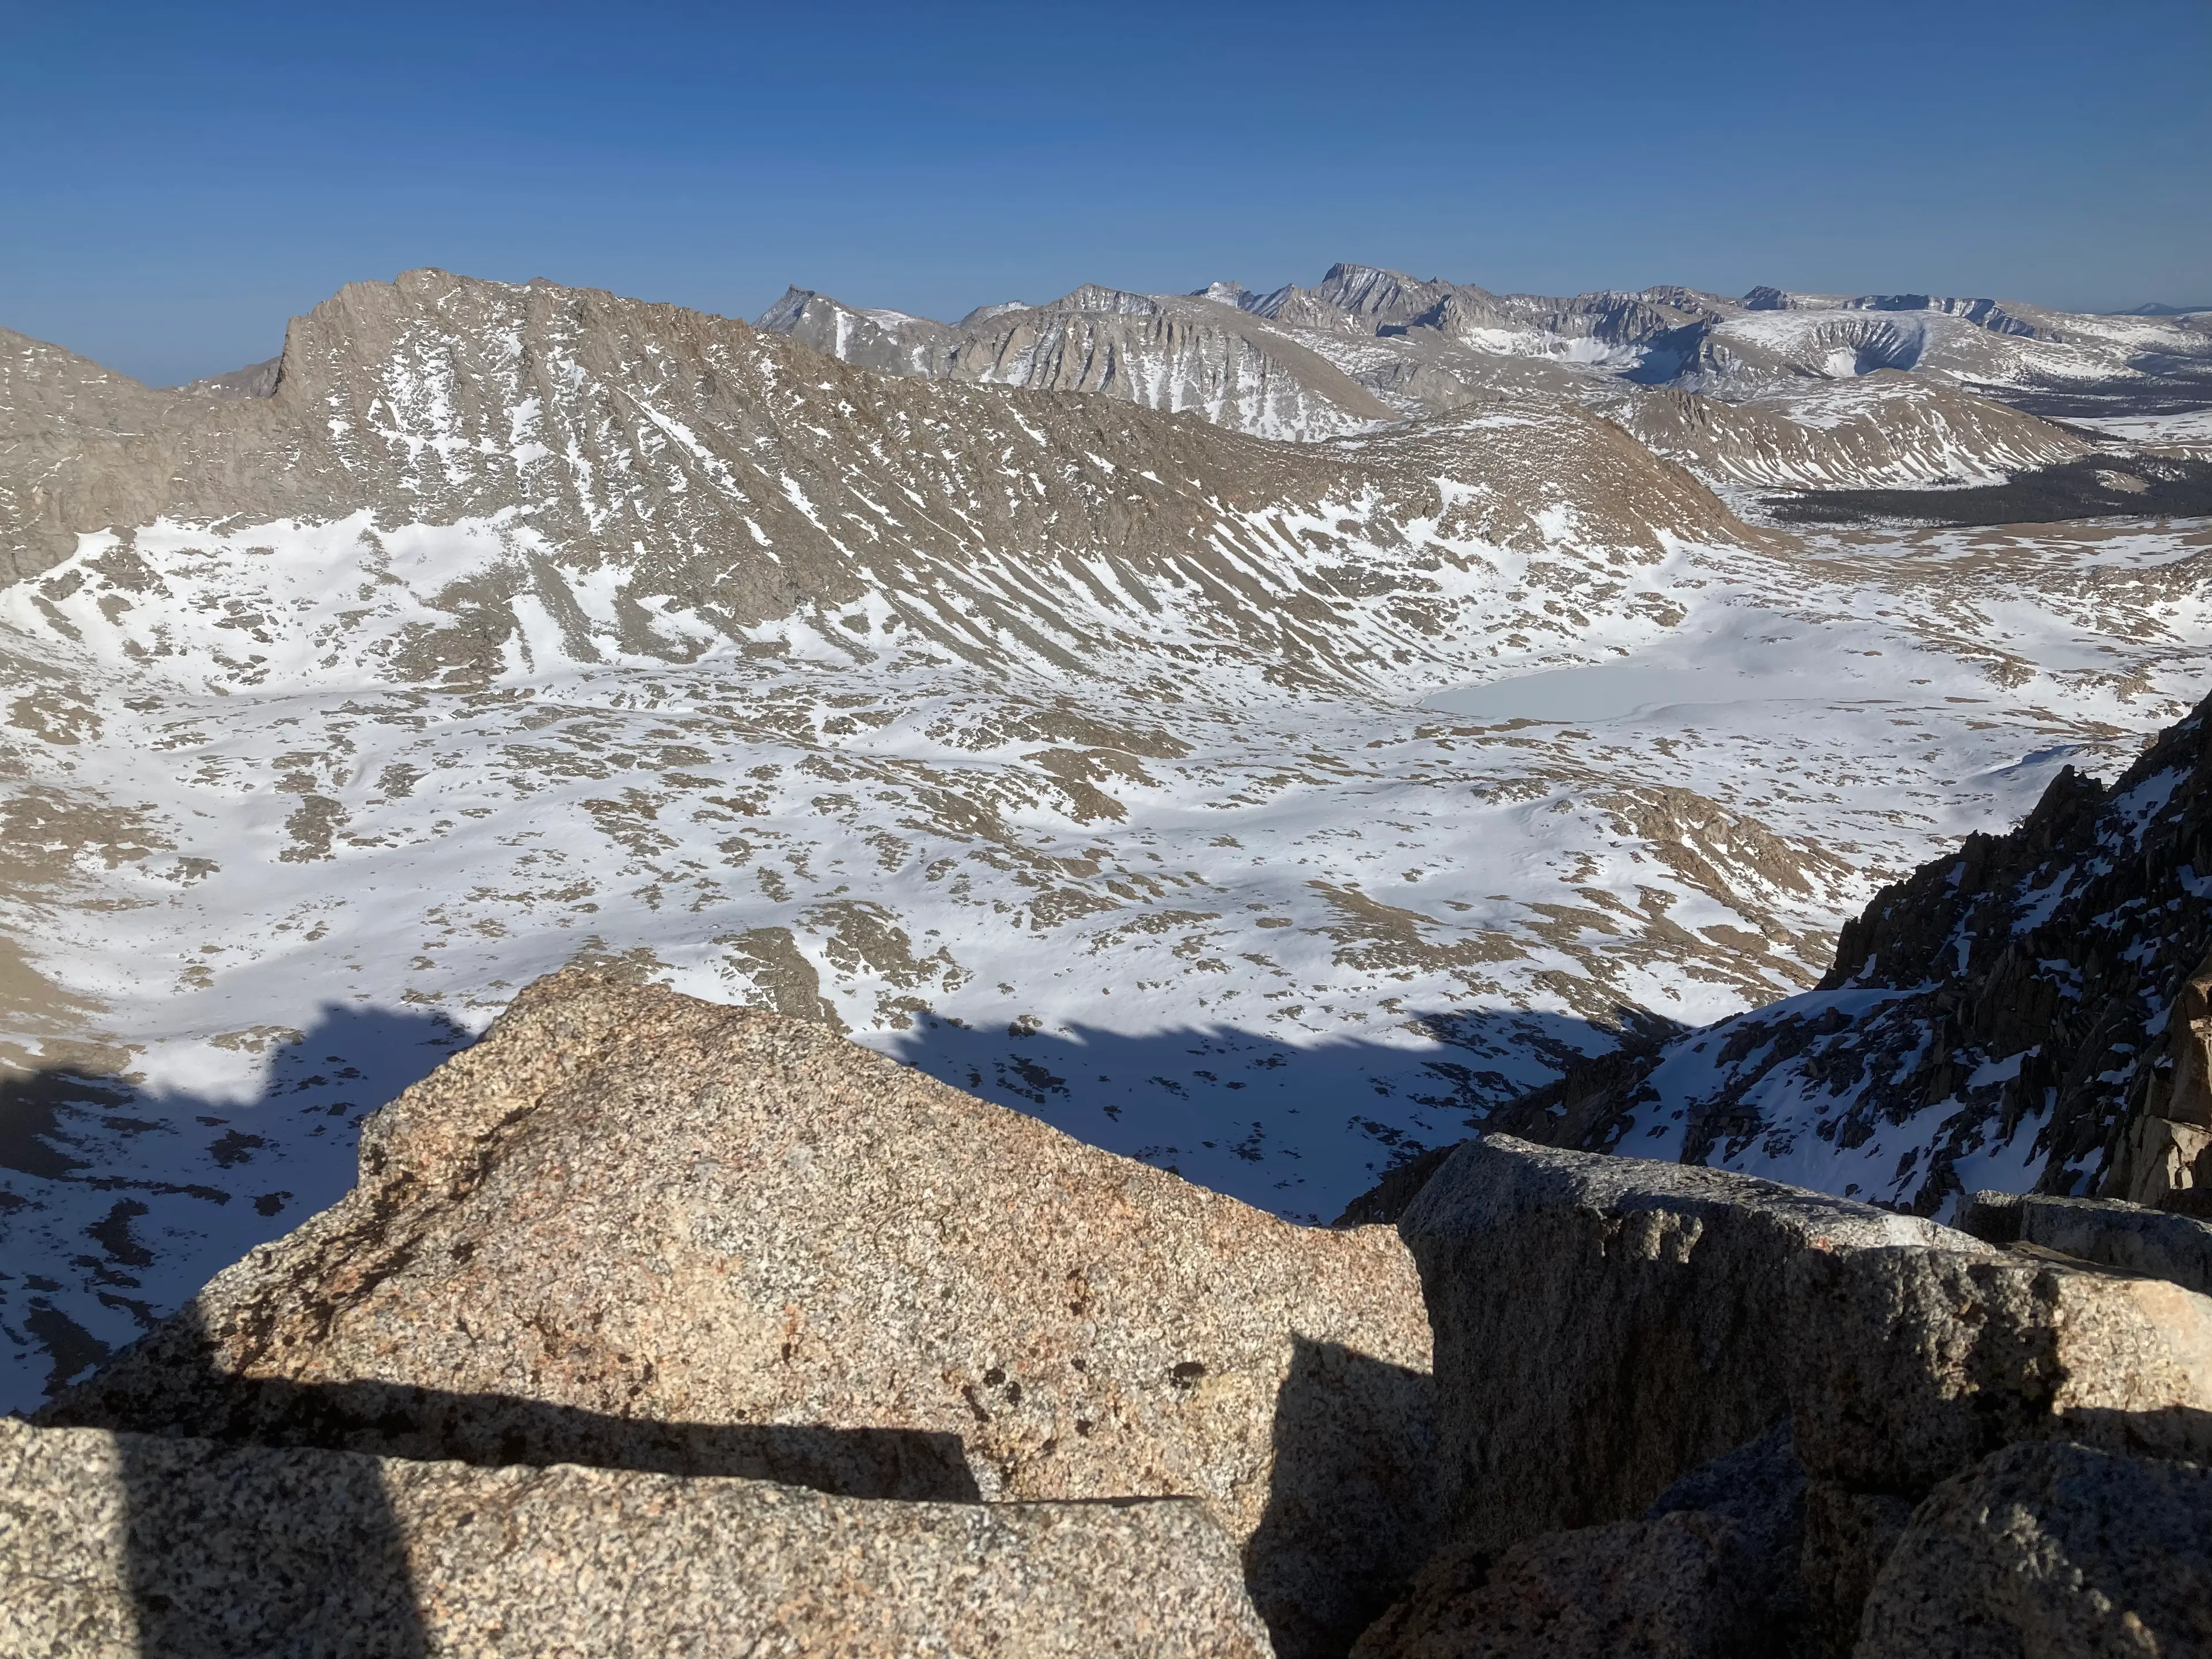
(2094,486)
(117,1201)
(1296,1129)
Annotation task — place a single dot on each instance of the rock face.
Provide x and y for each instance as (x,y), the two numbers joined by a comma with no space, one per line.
(2051,983)
(1911,1364)
(1711,1570)
(2051,1549)
(631,1228)
(119,1545)
(2111,1232)
(2165,1152)
(1604,1326)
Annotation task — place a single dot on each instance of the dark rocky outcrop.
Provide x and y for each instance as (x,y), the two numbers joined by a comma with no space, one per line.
(2066,942)
(2055,981)
(121,1545)
(2051,1549)
(1604,1325)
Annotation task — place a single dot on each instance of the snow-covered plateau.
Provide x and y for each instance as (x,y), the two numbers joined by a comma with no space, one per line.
(1264,810)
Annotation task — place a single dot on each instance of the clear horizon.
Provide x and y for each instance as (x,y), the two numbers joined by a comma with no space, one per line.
(183,183)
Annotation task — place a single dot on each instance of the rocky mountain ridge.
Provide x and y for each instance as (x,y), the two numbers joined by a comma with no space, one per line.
(2031,1006)
(1763,380)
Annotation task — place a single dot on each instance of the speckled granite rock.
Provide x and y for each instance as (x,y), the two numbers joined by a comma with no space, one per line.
(2111,1232)
(2052,1550)
(1605,1324)
(1909,1365)
(1710,1572)
(634,1228)
(115,1545)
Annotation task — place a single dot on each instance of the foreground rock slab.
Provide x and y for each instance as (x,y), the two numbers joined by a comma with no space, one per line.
(1605,1325)
(1710,1572)
(2054,1550)
(1911,1365)
(2108,1231)
(634,1230)
(116,1545)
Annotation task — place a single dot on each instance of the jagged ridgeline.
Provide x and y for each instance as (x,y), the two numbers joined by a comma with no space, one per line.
(1815,393)
(2053,976)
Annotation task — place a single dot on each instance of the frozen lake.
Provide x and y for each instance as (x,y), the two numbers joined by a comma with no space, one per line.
(1608,690)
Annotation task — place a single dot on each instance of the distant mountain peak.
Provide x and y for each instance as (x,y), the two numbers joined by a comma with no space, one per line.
(2154,308)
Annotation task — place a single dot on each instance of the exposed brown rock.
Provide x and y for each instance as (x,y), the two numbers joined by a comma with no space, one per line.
(1911,1364)
(633,1228)
(1711,1570)
(2167,1149)
(120,1545)
(2056,1550)
(1603,1325)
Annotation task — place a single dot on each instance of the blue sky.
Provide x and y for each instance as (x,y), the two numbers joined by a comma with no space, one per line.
(176,179)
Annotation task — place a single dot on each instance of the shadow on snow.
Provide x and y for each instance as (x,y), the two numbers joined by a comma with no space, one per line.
(117,1202)
(1297,1129)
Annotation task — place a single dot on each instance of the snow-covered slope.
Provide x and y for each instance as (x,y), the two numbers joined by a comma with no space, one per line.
(2002,1018)
(1165,353)
(1100,759)
(1883,430)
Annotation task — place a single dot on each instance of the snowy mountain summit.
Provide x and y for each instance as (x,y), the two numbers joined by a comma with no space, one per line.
(1260,734)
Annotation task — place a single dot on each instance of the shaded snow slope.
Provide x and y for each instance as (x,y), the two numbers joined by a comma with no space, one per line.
(1998,1019)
